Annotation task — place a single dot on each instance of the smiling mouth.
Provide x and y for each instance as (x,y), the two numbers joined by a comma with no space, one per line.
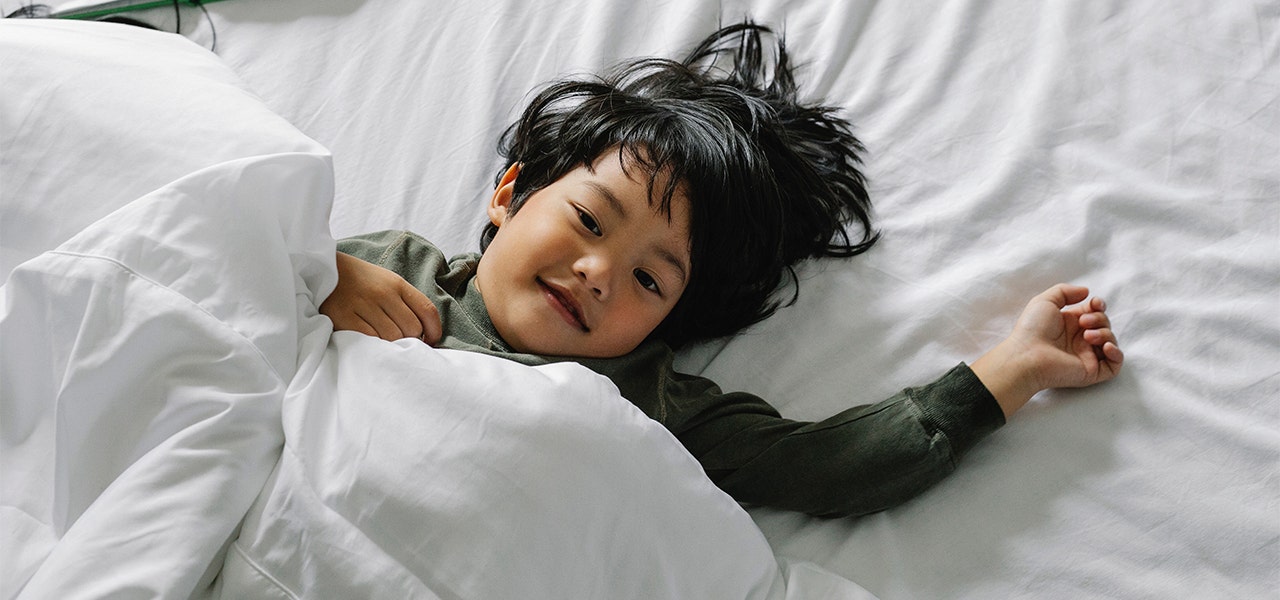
(565,305)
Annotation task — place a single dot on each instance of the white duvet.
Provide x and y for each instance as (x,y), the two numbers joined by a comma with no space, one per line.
(178,421)
(415,473)
(142,366)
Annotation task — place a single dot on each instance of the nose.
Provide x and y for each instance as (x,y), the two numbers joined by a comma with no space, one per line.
(595,269)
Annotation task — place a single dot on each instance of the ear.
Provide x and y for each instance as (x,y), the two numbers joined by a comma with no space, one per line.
(500,203)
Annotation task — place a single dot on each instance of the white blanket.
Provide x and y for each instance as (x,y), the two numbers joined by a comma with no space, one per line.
(179,423)
(415,473)
(142,366)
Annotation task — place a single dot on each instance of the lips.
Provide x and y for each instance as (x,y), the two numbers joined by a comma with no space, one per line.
(564,303)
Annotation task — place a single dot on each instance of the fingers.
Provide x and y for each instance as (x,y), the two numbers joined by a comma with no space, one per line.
(1098,333)
(375,322)
(405,320)
(1113,353)
(378,302)
(383,322)
(1099,337)
(426,315)
(1094,320)
(357,324)
(1064,294)
(406,313)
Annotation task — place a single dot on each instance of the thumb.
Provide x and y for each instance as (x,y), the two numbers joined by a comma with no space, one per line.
(426,312)
(1064,294)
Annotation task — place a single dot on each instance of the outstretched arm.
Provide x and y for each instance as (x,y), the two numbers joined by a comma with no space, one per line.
(869,458)
(378,302)
(1062,339)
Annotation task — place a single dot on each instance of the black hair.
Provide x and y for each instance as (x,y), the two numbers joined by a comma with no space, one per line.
(770,180)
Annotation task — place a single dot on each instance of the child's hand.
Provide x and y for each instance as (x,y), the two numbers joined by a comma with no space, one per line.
(1073,346)
(1059,341)
(380,303)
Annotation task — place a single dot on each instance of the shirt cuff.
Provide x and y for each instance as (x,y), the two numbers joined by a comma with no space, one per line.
(959,406)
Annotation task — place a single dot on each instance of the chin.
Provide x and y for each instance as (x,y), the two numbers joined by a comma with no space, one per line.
(580,352)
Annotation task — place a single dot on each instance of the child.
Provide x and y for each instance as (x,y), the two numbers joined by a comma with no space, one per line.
(666,204)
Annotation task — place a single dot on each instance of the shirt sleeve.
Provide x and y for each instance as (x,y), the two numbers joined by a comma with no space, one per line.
(380,248)
(410,256)
(862,460)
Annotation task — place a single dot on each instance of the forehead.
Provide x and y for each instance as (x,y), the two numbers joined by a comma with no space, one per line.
(621,169)
(624,182)
(652,209)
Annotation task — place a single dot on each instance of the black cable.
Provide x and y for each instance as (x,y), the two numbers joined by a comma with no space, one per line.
(44,11)
(31,11)
(213,45)
(128,21)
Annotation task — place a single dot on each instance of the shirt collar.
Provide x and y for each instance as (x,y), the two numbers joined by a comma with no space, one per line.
(473,305)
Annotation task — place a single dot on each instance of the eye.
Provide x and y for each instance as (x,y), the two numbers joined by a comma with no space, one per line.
(588,221)
(647,281)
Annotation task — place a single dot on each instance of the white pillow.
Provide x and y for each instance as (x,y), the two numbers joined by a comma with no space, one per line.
(95,115)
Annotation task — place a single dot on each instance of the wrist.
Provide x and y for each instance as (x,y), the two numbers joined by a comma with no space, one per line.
(1008,372)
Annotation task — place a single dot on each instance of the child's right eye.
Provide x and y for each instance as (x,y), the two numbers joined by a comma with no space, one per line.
(588,221)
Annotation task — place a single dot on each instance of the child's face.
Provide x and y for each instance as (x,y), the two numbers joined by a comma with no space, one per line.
(587,266)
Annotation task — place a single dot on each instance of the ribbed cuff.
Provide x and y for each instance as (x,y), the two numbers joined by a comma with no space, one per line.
(959,406)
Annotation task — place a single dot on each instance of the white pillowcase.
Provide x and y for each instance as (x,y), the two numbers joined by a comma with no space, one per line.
(95,115)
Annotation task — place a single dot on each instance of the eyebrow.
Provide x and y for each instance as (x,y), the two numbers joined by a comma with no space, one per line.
(607,194)
(668,257)
(617,206)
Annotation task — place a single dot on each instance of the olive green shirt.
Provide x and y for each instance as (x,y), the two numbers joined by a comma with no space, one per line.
(862,460)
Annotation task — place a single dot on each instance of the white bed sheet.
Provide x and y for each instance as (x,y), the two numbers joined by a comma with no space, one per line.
(1128,146)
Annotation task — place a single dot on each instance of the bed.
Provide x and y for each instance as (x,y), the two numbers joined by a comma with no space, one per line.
(153,193)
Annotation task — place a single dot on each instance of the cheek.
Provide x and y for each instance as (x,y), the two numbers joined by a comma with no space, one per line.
(536,236)
(512,249)
(501,265)
(643,317)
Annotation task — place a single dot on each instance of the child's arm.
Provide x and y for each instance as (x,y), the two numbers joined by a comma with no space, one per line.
(1059,341)
(378,302)
(869,458)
